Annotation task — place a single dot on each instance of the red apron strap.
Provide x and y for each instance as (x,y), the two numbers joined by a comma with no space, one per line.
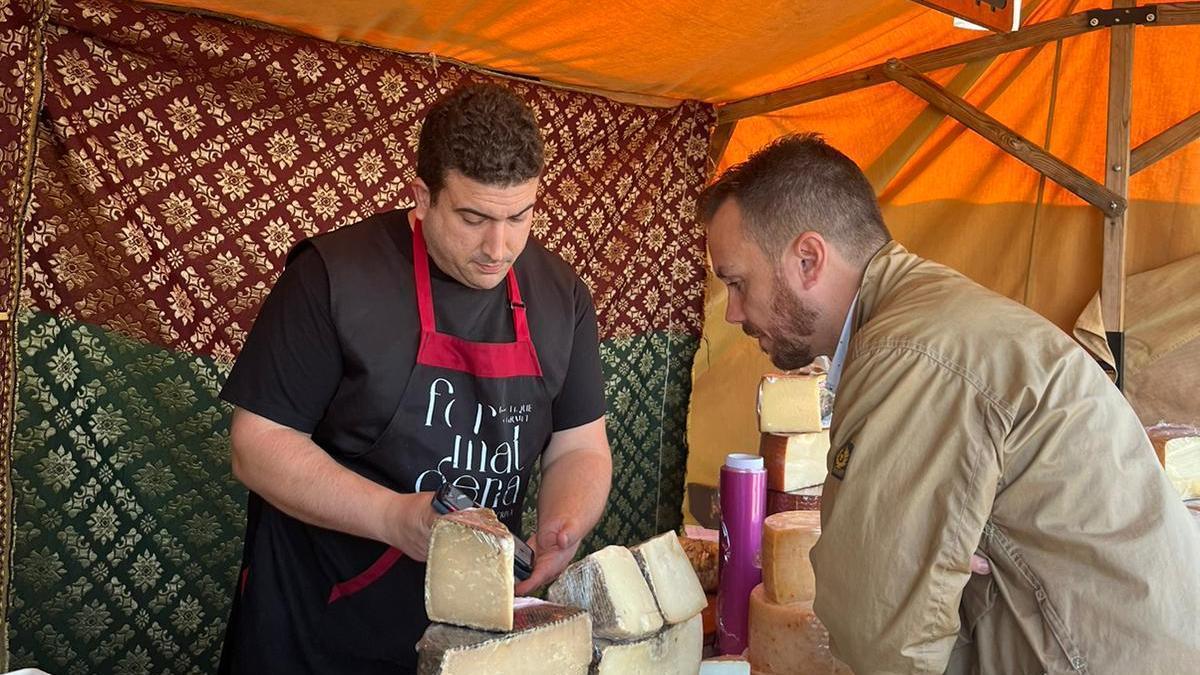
(421,275)
(483,359)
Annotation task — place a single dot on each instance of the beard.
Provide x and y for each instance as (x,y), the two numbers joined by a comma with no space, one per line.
(792,322)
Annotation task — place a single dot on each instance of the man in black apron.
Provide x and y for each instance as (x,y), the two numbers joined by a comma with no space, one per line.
(415,348)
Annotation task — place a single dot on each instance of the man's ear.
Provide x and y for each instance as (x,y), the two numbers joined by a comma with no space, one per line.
(422,197)
(805,260)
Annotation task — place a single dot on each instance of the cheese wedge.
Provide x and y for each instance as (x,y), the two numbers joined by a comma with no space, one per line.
(671,578)
(546,639)
(792,404)
(794,461)
(469,571)
(610,586)
(675,650)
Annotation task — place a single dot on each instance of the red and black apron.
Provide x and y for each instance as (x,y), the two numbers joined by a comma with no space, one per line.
(475,414)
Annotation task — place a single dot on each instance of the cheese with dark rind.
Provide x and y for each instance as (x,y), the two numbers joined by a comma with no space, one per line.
(610,586)
(675,650)
(670,576)
(469,571)
(794,461)
(546,639)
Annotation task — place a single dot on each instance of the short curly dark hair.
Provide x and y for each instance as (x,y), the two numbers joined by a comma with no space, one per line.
(484,131)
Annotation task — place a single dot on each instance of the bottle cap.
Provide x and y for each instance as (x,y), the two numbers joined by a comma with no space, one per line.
(744,462)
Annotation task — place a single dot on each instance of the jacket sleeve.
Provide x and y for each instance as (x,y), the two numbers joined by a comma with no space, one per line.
(913,472)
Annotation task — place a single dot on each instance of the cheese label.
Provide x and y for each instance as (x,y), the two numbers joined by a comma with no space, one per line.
(841,461)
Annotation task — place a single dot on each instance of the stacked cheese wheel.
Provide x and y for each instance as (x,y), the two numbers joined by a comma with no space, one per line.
(791,412)
(785,636)
(645,606)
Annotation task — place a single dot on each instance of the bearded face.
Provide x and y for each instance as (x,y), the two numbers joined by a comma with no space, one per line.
(785,329)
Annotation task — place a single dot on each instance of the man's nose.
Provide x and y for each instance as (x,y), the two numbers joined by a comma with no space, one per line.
(733,310)
(493,242)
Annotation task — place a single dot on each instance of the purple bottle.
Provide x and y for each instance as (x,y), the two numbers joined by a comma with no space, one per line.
(743,503)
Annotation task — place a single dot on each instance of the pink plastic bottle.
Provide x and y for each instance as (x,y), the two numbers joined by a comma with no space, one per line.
(743,503)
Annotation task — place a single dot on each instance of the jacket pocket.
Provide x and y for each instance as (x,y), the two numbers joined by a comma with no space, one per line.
(1030,601)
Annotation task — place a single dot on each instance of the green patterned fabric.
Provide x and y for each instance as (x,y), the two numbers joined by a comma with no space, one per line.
(128,523)
(647,389)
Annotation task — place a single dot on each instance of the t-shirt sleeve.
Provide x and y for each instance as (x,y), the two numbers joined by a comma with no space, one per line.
(581,399)
(291,364)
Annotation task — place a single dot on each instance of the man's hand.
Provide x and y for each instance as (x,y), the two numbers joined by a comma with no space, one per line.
(980,565)
(411,517)
(554,547)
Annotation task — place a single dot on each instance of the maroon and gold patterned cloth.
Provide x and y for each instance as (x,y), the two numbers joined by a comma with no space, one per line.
(178,158)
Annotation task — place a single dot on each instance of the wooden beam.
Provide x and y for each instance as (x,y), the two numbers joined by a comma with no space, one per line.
(972,50)
(1006,139)
(1177,14)
(717,145)
(883,170)
(1174,14)
(1164,144)
(1117,170)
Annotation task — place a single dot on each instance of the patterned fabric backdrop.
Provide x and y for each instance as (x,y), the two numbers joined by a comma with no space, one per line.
(19,78)
(178,159)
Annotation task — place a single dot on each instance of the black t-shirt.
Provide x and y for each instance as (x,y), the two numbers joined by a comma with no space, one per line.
(291,366)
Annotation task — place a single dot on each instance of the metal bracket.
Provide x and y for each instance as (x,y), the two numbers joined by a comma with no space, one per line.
(1128,16)
(1116,344)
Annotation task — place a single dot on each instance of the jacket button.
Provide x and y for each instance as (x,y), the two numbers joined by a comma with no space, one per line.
(1077,663)
(1040,595)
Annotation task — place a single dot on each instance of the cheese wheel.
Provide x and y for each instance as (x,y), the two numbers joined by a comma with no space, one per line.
(787,538)
(789,639)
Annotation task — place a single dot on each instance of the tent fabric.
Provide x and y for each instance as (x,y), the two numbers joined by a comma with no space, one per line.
(178,159)
(1162,342)
(951,196)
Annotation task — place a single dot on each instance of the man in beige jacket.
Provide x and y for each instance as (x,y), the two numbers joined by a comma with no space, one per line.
(964,426)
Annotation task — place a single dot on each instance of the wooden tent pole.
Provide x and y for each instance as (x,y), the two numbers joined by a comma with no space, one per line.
(1164,144)
(717,144)
(1174,14)
(1117,170)
(1006,139)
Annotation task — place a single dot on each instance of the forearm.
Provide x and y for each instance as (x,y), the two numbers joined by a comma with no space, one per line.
(574,489)
(295,475)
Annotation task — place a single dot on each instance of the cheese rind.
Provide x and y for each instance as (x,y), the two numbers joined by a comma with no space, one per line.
(702,553)
(675,650)
(547,639)
(794,461)
(469,571)
(610,586)
(788,536)
(789,639)
(670,577)
(792,404)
